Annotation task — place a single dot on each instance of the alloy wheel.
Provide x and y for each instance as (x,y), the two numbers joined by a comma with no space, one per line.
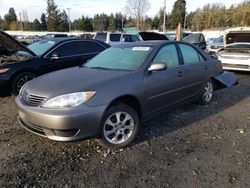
(208,93)
(118,127)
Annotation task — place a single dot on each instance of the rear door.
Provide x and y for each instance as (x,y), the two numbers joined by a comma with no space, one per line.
(165,88)
(196,69)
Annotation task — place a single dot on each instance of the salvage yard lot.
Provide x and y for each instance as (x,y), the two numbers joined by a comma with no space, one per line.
(195,146)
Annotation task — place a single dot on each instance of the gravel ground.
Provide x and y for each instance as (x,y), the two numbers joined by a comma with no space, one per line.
(195,146)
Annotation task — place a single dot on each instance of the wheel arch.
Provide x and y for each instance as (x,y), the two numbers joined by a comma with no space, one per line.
(129,100)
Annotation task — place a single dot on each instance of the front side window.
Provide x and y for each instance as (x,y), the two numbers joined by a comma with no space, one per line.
(167,54)
(68,49)
(189,54)
(119,58)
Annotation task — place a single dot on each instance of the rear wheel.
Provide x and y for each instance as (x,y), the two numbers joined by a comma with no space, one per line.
(120,126)
(208,92)
(20,80)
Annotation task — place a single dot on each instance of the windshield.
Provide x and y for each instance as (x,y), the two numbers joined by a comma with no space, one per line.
(41,47)
(218,40)
(129,58)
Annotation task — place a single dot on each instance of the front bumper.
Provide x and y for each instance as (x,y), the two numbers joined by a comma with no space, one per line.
(4,80)
(63,124)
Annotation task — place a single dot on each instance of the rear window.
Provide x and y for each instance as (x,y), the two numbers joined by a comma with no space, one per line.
(115,37)
(101,36)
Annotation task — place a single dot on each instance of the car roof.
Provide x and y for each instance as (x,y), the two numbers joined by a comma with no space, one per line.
(153,43)
(65,39)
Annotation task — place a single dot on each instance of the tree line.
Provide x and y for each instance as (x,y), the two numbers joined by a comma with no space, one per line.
(211,16)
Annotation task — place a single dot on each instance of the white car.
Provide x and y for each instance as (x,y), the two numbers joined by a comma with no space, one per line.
(236,53)
(112,38)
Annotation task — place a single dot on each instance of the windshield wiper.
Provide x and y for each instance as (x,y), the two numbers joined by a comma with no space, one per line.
(101,68)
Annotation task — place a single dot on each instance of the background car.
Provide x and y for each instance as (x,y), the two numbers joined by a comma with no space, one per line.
(171,35)
(197,39)
(236,53)
(112,38)
(110,95)
(215,45)
(19,64)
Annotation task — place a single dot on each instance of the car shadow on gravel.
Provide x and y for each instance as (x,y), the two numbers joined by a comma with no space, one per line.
(4,92)
(191,113)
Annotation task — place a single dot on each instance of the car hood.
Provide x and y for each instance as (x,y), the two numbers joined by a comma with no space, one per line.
(70,80)
(10,44)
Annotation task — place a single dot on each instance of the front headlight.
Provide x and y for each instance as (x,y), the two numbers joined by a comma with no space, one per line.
(69,100)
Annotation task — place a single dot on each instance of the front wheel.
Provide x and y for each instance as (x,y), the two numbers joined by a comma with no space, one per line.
(120,126)
(20,80)
(208,92)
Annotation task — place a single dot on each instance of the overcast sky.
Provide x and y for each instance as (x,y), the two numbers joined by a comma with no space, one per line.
(35,8)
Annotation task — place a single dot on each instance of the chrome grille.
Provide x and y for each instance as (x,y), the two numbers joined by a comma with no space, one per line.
(32,99)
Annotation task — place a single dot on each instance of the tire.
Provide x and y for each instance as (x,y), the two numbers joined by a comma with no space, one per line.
(20,80)
(207,93)
(120,126)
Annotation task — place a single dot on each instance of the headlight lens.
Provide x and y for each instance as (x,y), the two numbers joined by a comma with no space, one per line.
(3,71)
(69,100)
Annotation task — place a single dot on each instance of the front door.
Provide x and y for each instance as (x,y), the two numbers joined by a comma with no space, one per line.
(165,88)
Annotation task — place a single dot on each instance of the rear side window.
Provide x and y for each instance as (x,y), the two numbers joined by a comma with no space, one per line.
(189,54)
(167,54)
(90,47)
(68,49)
(115,37)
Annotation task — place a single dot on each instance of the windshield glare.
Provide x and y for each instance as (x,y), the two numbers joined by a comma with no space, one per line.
(130,58)
(41,47)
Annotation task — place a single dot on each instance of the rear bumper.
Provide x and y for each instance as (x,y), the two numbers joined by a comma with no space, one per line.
(61,125)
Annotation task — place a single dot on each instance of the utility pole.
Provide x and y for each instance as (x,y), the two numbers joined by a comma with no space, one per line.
(185,20)
(21,23)
(69,9)
(164,17)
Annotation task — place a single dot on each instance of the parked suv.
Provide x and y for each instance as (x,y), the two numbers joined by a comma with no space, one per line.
(111,38)
(20,64)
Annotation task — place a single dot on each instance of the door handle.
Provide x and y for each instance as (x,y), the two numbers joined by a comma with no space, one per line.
(180,73)
(205,67)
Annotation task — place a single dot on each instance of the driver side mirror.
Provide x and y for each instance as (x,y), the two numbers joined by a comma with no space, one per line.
(54,56)
(157,67)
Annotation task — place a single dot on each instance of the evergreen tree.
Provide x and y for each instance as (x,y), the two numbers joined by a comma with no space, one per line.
(54,16)
(1,23)
(178,13)
(64,22)
(111,26)
(36,25)
(43,22)
(87,24)
(11,20)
